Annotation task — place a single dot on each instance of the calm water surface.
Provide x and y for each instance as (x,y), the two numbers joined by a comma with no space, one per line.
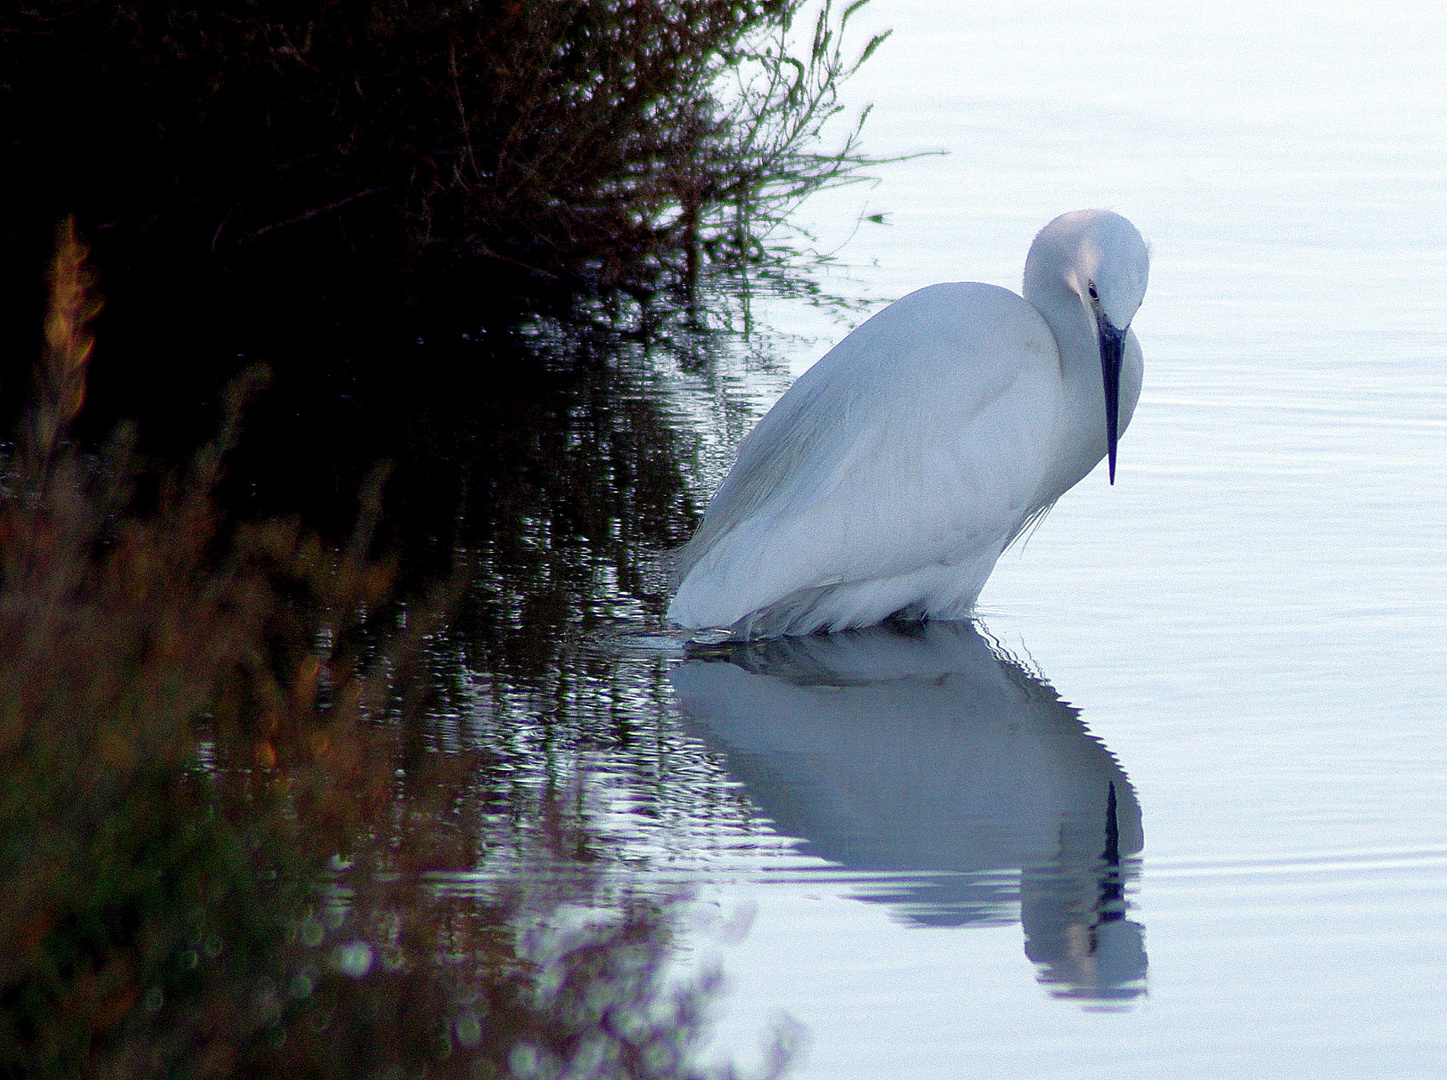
(1178,806)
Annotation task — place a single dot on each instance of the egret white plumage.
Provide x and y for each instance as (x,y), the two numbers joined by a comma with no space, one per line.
(891,476)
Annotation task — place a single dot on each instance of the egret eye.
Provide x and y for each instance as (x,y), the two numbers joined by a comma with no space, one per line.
(1093,294)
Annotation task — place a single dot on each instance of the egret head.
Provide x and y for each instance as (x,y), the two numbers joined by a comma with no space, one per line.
(1095,258)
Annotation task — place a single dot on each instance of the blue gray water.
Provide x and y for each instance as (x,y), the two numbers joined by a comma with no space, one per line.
(1179,807)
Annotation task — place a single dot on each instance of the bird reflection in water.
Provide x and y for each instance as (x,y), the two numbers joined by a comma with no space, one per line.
(925,753)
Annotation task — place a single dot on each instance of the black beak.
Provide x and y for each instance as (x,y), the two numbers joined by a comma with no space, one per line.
(1112,347)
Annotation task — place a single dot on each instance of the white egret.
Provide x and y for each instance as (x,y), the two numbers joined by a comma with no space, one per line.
(891,476)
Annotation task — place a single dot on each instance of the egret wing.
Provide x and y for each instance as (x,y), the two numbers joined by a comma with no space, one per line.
(921,438)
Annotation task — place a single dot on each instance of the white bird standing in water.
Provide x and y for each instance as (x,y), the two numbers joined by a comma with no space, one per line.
(891,476)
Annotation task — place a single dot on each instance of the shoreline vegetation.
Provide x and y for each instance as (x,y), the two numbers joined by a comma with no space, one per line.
(222,818)
(609,169)
(224,792)
(448,155)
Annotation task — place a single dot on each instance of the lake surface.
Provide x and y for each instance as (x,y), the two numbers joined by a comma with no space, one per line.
(1177,807)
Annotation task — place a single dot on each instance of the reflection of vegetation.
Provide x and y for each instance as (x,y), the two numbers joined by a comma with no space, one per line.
(614,142)
(219,829)
(572,484)
(548,462)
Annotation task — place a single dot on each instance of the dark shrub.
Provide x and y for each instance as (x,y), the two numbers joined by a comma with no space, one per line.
(606,142)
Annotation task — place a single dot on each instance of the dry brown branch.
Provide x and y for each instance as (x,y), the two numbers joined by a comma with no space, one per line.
(60,376)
